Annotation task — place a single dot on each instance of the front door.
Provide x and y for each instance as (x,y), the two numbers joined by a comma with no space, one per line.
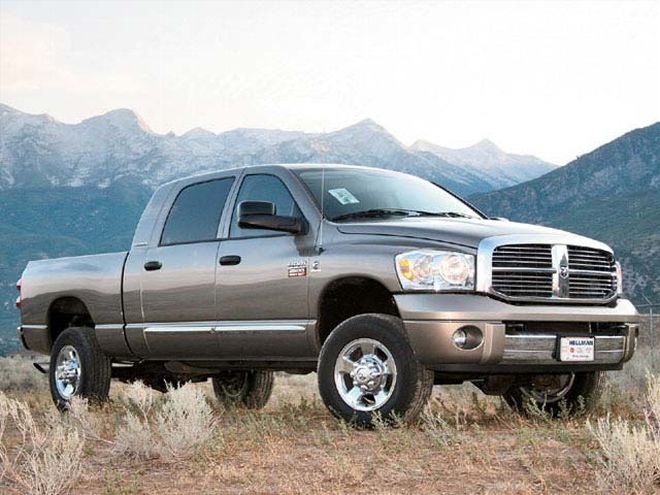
(262,280)
(178,276)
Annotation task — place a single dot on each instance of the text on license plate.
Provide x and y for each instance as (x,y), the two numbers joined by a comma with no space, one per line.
(576,349)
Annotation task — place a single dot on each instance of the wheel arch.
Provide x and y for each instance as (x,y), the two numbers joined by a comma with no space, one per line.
(65,312)
(349,296)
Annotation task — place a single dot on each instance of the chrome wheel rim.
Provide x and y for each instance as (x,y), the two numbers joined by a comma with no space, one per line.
(67,372)
(365,374)
(550,395)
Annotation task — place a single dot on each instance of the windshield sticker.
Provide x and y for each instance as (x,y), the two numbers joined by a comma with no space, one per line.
(344,196)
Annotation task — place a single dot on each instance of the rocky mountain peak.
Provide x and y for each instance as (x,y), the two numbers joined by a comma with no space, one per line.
(199,133)
(122,118)
(485,145)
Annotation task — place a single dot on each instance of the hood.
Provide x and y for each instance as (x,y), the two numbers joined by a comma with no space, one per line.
(464,231)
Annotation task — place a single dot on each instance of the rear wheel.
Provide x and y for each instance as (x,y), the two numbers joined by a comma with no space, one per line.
(250,389)
(367,368)
(78,367)
(570,394)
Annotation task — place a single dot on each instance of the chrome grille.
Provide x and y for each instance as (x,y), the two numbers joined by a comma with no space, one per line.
(523,270)
(583,258)
(527,284)
(523,256)
(553,271)
(592,273)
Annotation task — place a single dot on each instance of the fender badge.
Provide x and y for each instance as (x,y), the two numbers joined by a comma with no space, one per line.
(297,269)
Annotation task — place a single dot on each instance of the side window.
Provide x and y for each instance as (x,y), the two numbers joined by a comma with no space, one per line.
(263,188)
(196,212)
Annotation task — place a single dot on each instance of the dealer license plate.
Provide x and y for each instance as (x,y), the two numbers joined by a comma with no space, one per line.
(576,349)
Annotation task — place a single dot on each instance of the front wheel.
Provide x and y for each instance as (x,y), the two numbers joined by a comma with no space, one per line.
(78,367)
(368,368)
(569,394)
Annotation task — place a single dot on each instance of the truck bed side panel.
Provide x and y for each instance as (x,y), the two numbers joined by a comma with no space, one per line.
(95,280)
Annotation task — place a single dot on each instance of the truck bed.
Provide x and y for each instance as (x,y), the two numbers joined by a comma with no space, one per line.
(95,279)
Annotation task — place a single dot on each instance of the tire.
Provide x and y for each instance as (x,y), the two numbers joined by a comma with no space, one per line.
(78,367)
(384,381)
(249,389)
(578,395)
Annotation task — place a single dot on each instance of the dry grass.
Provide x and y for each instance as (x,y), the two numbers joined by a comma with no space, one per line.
(630,453)
(465,442)
(48,457)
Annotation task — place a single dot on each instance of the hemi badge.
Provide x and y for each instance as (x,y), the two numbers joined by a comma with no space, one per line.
(297,269)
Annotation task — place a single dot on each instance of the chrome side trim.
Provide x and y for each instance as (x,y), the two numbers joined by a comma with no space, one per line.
(178,329)
(224,326)
(258,327)
(34,327)
(110,326)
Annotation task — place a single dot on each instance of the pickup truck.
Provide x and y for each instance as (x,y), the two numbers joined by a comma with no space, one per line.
(383,283)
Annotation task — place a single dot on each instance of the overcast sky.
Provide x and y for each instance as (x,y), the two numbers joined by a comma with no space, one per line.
(555,79)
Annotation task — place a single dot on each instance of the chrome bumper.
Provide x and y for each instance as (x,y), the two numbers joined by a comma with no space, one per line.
(542,349)
(432,319)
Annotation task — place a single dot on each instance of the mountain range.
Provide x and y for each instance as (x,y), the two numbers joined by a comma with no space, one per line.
(39,151)
(611,194)
(500,169)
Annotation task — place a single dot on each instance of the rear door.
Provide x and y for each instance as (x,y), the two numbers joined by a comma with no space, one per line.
(177,281)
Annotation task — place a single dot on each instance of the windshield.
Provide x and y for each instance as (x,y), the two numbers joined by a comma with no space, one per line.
(359,193)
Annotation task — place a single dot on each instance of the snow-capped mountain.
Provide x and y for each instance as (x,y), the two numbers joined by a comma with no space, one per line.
(501,169)
(39,151)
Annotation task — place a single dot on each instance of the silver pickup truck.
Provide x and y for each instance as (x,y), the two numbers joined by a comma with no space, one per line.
(383,283)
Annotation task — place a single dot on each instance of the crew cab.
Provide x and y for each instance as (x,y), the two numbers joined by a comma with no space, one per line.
(383,283)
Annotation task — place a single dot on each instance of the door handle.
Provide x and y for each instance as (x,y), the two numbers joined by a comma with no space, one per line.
(150,266)
(230,260)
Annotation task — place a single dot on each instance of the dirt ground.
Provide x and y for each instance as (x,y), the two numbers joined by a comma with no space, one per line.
(296,446)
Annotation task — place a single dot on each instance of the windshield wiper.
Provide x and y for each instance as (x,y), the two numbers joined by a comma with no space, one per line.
(387,212)
(451,214)
(373,213)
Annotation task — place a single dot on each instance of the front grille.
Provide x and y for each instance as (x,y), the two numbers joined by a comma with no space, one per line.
(583,258)
(523,284)
(523,270)
(592,273)
(558,272)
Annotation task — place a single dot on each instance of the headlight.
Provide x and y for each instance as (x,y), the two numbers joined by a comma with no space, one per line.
(619,279)
(435,270)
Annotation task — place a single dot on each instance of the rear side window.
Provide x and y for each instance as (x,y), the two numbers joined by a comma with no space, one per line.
(196,213)
(263,188)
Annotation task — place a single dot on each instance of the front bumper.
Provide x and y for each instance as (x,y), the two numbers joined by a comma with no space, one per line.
(516,338)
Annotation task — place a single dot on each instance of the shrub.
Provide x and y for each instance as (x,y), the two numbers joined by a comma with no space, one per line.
(135,438)
(630,454)
(185,421)
(173,428)
(47,460)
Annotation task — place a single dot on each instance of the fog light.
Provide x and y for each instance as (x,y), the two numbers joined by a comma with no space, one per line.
(467,337)
(460,338)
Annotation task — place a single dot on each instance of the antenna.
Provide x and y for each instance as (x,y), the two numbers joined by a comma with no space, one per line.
(320,238)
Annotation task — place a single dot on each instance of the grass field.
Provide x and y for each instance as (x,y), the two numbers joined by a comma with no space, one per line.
(466,442)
